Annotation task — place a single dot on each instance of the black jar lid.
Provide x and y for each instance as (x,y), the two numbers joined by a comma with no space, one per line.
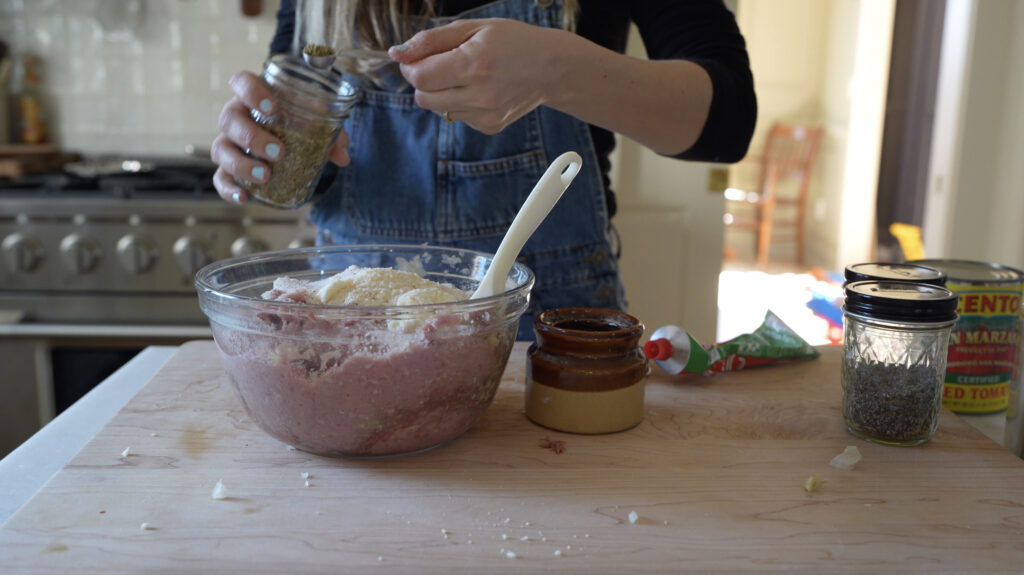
(901,301)
(904,272)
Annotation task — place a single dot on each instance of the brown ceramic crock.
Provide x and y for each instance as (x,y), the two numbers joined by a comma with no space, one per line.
(586,371)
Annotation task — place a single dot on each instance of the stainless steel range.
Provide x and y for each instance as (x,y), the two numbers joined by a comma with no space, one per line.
(97,262)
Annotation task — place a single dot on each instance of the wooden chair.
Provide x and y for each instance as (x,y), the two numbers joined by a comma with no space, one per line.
(785,174)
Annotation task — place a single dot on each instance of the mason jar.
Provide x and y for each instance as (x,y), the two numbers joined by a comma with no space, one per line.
(586,371)
(312,106)
(895,339)
(894,271)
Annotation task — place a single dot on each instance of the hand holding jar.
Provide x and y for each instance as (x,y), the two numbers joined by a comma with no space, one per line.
(279,131)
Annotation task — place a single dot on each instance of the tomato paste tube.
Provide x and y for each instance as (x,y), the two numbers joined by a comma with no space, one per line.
(676,351)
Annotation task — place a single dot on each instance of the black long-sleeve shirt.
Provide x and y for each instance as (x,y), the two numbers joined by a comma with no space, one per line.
(701,31)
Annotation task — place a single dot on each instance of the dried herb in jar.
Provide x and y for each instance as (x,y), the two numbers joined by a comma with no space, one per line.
(305,152)
(892,402)
(895,338)
(318,50)
(311,107)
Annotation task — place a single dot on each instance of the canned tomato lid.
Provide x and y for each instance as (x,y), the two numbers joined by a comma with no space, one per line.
(900,301)
(895,272)
(967,271)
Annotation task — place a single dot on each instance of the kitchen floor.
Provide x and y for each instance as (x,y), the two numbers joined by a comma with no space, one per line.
(746,294)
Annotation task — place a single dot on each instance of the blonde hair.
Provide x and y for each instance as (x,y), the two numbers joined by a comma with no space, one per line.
(373,24)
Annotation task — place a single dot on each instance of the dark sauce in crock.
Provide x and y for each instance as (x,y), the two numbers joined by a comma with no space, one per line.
(587,325)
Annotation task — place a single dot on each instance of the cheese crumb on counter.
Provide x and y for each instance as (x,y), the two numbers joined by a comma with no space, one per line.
(633,517)
(219,491)
(847,459)
(146,527)
(127,451)
(812,483)
(511,554)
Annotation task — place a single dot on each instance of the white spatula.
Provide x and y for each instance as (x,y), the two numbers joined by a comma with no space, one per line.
(544,196)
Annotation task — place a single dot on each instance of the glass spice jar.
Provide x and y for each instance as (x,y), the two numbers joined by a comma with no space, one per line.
(894,271)
(311,108)
(586,371)
(895,339)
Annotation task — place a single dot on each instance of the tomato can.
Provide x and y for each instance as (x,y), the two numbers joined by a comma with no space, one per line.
(982,363)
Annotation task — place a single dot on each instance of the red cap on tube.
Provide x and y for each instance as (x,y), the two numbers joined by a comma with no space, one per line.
(658,349)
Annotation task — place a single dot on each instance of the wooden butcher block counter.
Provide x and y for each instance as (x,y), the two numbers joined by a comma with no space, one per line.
(713,479)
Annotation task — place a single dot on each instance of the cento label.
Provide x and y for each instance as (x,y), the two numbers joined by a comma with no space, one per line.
(982,348)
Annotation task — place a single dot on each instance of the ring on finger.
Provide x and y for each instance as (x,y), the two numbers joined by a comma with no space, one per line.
(448,117)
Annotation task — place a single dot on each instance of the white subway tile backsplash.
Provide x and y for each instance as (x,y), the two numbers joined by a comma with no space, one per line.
(138,80)
(96,80)
(124,117)
(166,115)
(12,7)
(149,87)
(90,114)
(217,78)
(200,108)
(174,35)
(49,34)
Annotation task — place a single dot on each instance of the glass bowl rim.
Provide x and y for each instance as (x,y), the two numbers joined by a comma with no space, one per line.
(205,288)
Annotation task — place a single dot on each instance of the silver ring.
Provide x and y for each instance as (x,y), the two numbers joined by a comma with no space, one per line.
(448,117)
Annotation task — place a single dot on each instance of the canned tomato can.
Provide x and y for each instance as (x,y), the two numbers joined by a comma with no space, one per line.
(982,361)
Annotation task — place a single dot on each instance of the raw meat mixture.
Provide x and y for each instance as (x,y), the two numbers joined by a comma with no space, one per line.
(366,387)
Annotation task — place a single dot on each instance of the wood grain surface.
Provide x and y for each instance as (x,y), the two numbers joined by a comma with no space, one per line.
(715,475)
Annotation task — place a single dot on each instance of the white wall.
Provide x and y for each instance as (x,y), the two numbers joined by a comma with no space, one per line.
(1009,180)
(825,62)
(152,91)
(785,41)
(867,87)
(672,236)
(987,195)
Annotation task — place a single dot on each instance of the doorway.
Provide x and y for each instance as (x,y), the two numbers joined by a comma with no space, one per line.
(823,64)
(909,120)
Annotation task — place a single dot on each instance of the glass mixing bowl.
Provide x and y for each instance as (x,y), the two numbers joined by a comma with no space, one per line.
(360,381)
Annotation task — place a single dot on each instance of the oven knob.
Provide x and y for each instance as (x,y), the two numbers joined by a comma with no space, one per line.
(22,253)
(246,245)
(137,253)
(191,254)
(79,253)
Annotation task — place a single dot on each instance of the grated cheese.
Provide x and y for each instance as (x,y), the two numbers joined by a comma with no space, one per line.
(847,459)
(812,483)
(219,491)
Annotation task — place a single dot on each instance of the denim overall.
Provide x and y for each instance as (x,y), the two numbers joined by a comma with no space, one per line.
(416,178)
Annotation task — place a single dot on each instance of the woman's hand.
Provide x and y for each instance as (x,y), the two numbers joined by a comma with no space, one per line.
(487,73)
(239,132)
